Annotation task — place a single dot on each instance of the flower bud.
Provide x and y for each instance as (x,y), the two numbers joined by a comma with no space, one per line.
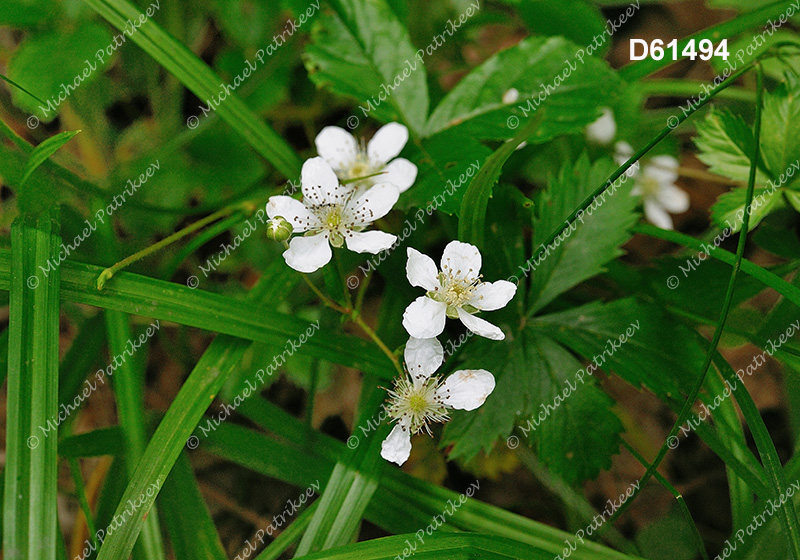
(279,229)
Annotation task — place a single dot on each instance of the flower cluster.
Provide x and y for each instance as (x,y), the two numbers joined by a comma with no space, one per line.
(457,292)
(346,189)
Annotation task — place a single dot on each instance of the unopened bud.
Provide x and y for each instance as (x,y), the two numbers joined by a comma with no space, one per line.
(279,229)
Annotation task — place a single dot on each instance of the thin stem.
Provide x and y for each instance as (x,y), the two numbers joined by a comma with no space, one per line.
(325,299)
(356,317)
(356,179)
(362,291)
(340,269)
(689,402)
(683,88)
(106,275)
(678,496)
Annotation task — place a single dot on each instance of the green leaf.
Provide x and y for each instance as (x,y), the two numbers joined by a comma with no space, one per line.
(475,106)
(44,151)
(532,373)
(202,81)
(19,87)
(166,301)
(576,20)
(31,466)
(725,142)
(593,240)
(192,536)
(55,65)
(728,210)
(444,173)
(363,51)
(169,439)
(780,144)
(461,546)
(472,222)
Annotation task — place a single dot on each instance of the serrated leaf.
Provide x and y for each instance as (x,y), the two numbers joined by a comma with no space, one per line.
(363,51)
(592,241)
(576,20)
(576,90)
(725,142)
(531,372)
(780,143)
(43,151)
(728,210)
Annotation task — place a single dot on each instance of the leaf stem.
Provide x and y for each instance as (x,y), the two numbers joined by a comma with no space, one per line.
(108,273)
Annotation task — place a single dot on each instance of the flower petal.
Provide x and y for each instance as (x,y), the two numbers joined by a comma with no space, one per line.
(423,356)
(294,211)
(387,143)
(424,317)
(421,270)
(373,204)
(673,199)
(320,184)
(603,130)
(462,260)
(337,146)
(397,446)
(400,172)
(467,389)
(369,241)
(479,326)
(489,296)
(510,96)
(663,169)
(657,215)
(308,253)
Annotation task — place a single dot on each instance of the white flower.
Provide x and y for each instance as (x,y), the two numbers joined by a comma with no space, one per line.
(656,185)
(603,130)
(420,398)
(455,292)
(350,161)
(331,214)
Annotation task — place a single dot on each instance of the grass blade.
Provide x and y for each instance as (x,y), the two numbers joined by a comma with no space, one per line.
(43,151)
(29,510)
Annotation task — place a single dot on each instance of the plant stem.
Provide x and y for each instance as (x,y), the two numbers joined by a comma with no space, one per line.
(689,402)
(325,299)
(106,275)
(356,317)
(678,496)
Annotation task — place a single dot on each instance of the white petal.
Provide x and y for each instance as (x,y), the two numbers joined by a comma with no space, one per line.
(663,169)
(320,184)
(467,389)
(337,146)
(673,199)
(373,204)
(387,143)
(424,317)
(308,253)
(400,172)
(461,260)
(421,270)
(479,326)
(397,445)
(657,215)
(294,211)
(423,356)
(489,296)
(369,241)
(603,130)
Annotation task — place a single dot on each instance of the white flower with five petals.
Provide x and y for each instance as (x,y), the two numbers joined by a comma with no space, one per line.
(456,292)
(420,398)
(656,185)
(350,161)
(331,214)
